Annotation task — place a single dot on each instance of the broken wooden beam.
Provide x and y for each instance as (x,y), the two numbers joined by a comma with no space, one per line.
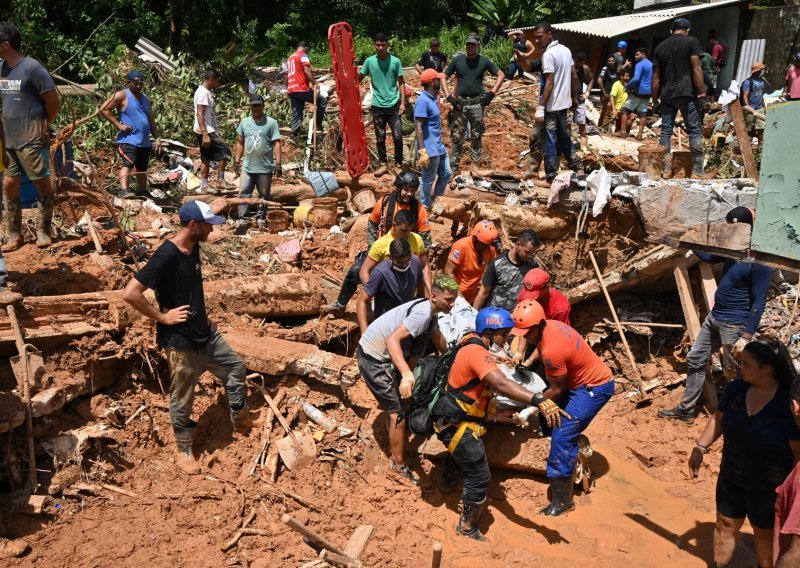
(745,144)
(550,224)
(717,237)
(273,356)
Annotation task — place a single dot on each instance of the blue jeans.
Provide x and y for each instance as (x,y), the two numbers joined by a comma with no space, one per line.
(514,69)
(439,169)
(690,110)
(246,184)
(557,143)
(713,335)
(582,404)
(299,101)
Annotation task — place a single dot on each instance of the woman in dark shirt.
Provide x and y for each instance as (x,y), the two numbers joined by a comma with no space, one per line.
(761,443)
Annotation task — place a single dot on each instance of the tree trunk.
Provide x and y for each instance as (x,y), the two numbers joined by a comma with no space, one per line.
(175,24)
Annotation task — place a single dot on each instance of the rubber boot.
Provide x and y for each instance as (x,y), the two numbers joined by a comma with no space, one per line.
(13,225)
(345,293)
(468,523)
(184,457)
(243,420)
(698,170)
(46,204)
(666,169)
(560,496)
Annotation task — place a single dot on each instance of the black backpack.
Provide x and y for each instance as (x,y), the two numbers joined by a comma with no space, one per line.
(431,376)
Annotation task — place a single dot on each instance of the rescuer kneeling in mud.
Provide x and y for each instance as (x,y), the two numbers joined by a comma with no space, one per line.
(580,384)
(192,342)
(472,378)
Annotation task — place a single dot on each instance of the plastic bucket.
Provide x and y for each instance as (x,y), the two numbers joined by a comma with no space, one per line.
(277,221)
(301,213)
(364,201)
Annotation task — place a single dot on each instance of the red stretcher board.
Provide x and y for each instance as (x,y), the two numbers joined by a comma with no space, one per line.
(340,43)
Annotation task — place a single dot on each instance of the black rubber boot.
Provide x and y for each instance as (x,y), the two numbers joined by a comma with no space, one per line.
(184,456)
(560,496)
(468,523)
(46,204)
(677,414)
(698,157)
(13,225)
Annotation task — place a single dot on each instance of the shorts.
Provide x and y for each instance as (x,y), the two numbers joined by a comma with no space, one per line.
(31,162)
(135,157)
(579,116)
(381,378)
(738,503)
(753,121)
(636,105)
(217,151)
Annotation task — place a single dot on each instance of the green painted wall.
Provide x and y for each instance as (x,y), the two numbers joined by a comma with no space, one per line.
(777,227)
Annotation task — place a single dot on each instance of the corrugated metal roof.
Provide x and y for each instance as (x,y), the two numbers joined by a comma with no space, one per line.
(752,51)
(620,25)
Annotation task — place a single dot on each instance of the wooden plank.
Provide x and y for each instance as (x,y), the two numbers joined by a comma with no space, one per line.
(692,322)
(359,540)
(745,144)
(687,299)
(718,236)
(709,284)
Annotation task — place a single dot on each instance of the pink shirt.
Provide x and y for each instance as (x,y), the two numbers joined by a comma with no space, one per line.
(793,77)
(787,513)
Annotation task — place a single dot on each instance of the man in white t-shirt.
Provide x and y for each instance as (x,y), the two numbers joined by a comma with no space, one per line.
(559,93)
(212,147)
(388,350)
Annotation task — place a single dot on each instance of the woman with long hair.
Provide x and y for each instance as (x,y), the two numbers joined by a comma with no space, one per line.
(761,444)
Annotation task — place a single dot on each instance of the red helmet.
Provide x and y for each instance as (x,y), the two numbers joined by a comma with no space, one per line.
(527,314)
(485,232)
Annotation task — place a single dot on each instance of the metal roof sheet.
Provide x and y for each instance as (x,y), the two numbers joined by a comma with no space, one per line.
(619,25)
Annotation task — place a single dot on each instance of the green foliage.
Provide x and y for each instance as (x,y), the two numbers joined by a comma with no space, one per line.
(510,12)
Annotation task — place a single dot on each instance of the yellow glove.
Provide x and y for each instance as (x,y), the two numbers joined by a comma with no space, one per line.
(552,413)
(424,160)
(407,384)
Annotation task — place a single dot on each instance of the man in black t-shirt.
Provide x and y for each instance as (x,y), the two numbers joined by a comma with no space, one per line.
(678,81)
(503,278)
(191,341)
(433,58)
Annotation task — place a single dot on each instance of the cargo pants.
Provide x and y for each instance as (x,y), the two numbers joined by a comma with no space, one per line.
(185,368)
(471,114)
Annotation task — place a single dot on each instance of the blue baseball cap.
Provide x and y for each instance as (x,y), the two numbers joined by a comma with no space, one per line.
(199,211)
(622,44)
(133,76)
(681,24)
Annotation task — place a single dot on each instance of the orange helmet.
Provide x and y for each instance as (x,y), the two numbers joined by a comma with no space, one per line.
(527,314)
(485,232)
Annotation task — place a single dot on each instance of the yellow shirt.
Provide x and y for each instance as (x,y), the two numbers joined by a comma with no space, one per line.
(619,94)
(380,248)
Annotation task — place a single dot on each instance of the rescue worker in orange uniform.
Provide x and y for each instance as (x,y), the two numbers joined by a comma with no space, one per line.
(462,405)
(579,382)
(469,258)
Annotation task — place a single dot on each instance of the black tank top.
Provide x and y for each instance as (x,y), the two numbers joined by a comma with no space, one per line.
(581,74)
(521,45)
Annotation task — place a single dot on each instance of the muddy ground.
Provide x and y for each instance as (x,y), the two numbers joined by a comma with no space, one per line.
(644,510)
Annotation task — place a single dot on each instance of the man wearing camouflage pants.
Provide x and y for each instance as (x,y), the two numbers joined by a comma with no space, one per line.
(469,99)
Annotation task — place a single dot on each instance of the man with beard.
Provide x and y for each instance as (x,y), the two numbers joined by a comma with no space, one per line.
(192,342)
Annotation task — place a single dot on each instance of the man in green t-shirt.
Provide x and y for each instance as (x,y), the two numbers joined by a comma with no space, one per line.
(469,98)
(388,100)
(259,139)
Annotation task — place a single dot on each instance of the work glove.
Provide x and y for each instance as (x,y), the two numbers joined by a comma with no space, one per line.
(487,98)
(237,169)
(424,160)
(278,170)
(696,460)
(705,104)
(539,115)
(454,102)
(407,384)
(552,412)
(738,347)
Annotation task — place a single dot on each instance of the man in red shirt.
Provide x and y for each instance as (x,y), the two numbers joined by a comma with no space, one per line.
(580,384)
(535,287)
(786,539)
(469,258)
(301,83)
